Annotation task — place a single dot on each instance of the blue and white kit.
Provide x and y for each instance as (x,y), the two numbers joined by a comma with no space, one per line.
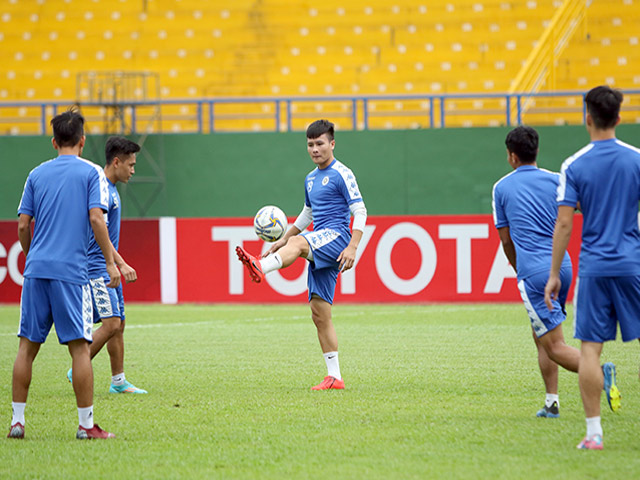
(107,302)
(58,194)
(524,201)
(331,195)
(604,178)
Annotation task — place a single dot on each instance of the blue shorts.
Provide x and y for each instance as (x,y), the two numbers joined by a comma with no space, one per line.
(532,293)
(45,302)
(326,246)
(107,302)
(603,302)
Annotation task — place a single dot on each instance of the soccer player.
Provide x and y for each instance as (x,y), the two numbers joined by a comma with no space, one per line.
(331,195)
(524,212)
(604,177)
(108,303)
(66,196)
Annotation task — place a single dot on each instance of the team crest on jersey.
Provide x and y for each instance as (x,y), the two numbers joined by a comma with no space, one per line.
(309,186)
(325,180)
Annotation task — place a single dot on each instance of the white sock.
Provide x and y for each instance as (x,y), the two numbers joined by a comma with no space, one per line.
(333,366)
(271,263)
(118,379)
(18,413)
(552,397)
(85,417)
(593,427)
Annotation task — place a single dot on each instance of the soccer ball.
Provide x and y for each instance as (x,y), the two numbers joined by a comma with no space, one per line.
(270,223)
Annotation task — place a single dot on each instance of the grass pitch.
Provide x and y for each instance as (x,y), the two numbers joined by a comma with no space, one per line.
(438,391)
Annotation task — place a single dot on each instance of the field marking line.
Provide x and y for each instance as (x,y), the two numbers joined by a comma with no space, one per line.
(256,319)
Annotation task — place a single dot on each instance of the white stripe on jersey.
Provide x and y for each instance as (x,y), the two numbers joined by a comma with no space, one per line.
(626,145)
(104,185)
(493,197)
(25,182)
(349,180)
(562,186)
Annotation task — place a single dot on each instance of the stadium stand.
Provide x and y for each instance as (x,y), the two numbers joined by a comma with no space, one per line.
(251,48)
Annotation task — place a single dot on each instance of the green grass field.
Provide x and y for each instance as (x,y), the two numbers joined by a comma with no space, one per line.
(438,391)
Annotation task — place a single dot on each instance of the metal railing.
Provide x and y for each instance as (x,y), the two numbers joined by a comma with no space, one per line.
(361,112)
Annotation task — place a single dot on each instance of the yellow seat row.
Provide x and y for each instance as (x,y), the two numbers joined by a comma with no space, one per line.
(213,48)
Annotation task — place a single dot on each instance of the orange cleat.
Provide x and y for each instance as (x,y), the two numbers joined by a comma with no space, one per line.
(330,383)
(252,264)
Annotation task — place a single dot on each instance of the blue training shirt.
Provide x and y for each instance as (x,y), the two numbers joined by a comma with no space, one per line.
(97,263)
(524,201)
(58,194)
(604,177)
(329,192)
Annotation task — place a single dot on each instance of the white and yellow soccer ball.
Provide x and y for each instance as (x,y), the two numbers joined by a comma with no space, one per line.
(270,223)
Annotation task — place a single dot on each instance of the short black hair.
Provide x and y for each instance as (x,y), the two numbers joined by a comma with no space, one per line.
(523,141)
(603,104)
(319,128)
(119,146)
(68,128)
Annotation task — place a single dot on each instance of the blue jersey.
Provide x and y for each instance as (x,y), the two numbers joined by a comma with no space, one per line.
(524,201)
(329,192)
(97,263)
(605,178)
(58,194)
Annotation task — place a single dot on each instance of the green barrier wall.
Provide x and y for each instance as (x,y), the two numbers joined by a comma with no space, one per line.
(449,171)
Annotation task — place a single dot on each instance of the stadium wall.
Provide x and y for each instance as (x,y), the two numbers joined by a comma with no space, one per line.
(407,172)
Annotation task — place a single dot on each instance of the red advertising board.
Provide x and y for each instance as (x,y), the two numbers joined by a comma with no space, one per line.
(138,245)
(401,259)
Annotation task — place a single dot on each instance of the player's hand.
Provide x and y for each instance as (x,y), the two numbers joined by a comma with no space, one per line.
(347,258)
(274,247)
(552,290)
(114,275)
(128,273)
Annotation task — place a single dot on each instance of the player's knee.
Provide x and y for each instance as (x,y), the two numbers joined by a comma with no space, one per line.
(320,317)
(111,325)
(299,243)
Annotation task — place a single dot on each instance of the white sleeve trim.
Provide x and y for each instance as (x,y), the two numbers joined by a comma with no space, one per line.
(359,212)
(304,219)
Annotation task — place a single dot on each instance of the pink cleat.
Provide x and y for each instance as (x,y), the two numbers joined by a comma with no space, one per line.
(91,433)
(594,442)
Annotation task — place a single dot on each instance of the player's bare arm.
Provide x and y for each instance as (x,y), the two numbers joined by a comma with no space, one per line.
(24,232)
(99,227)
(302,221)
(561,237)
(127,271)
(347,257)
(508,246)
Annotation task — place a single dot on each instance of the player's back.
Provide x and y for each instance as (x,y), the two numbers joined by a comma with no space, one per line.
(605,177)
(58,195)
(525,201)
